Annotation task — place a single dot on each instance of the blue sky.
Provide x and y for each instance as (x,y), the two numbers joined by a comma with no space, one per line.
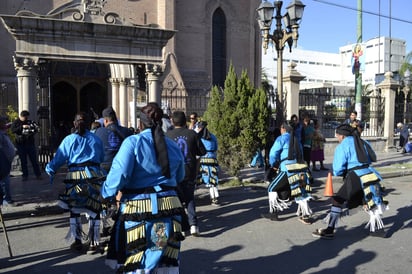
(329,24)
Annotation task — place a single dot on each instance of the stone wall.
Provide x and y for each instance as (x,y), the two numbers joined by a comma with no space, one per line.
(377,143)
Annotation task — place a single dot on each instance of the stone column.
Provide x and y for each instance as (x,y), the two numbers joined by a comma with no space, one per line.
(123,103)
(291,81)
(388,89)
(26,84)
(373,129)
(115,93)
(153,73)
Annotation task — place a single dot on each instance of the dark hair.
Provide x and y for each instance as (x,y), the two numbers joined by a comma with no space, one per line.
(81,123)
(109,114)
(24,113)
(151,115)
(194,114)
(179,118)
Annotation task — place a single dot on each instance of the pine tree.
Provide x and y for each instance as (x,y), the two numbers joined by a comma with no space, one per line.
(239,120)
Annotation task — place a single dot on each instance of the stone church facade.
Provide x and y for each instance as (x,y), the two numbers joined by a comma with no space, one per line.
(60,57)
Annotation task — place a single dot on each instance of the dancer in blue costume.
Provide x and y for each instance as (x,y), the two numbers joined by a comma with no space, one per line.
(82,152)
(209,166)
(361,182)
(293,178)
(147,170)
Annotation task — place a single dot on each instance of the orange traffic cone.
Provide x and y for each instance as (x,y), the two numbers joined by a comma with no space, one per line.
(329,186)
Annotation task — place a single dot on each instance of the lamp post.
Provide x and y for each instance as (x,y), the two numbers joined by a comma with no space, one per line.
(280,37)
(406,89)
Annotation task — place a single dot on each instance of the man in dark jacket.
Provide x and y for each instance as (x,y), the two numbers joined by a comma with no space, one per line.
(25,129)
(112,136)
(191,147)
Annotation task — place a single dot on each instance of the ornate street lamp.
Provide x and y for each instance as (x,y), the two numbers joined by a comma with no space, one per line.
(406,89)
(280,37)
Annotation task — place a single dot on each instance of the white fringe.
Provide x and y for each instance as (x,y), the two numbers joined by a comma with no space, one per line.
(375,220)
(303,208)
(276,204)
(214,192)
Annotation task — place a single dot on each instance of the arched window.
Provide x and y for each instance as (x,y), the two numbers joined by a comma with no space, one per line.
(219,48)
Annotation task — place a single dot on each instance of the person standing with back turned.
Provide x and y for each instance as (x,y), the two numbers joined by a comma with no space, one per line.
(147,170)
(82,152)
(191,146)
(209,165)
(112,136)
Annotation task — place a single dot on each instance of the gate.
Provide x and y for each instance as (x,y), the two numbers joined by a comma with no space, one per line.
(331,110)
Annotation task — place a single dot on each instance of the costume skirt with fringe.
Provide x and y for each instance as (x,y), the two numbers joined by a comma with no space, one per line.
(294,183)
(82,191)
(147,233)
(209,171)
(362,187)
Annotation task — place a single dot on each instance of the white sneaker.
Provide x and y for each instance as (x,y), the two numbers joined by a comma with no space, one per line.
(194,230)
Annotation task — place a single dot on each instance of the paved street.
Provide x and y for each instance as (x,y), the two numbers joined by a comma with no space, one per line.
(233,238)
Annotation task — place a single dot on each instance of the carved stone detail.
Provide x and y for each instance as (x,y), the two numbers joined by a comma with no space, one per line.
(79,10)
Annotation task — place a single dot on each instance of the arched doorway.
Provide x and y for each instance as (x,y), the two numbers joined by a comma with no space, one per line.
(63,109)
(93,99)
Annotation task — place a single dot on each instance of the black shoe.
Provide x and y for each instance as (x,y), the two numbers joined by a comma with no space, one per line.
(380,233)
(270,216)
(306,220)
(323,234)
(77,246)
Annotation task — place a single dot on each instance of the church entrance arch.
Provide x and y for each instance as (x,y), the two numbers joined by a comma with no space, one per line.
(63,103)
(93,99)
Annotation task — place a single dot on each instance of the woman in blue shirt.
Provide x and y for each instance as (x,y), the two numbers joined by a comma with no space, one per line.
(293,178)
(146,170)
(209,166)
(361,182)
(82,152)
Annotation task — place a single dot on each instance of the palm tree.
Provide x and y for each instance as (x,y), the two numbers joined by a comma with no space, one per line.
(407,64)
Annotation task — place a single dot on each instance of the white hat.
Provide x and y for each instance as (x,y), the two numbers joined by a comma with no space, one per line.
(399,124)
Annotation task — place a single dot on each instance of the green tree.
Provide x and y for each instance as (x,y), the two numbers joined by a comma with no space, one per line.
(407,64)
(238,117)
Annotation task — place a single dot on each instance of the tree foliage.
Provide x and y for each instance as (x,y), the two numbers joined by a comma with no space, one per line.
(238,116)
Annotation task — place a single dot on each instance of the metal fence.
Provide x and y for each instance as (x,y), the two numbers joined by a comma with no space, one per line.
(331,110)
(177,99)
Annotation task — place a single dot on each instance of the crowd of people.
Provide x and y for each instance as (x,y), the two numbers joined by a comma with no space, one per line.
(138,188)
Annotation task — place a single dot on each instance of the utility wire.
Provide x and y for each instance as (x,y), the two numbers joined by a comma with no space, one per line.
(363,11)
